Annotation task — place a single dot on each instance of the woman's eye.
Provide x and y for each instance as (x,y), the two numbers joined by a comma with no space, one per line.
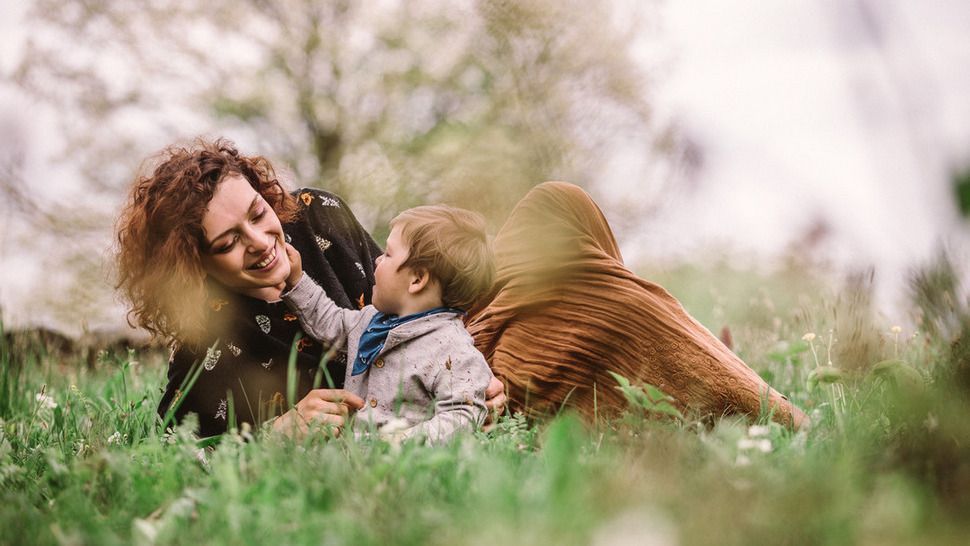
(259,215)
(226,247)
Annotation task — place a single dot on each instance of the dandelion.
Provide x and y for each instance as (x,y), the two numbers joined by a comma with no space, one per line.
(45,401)
(809,337)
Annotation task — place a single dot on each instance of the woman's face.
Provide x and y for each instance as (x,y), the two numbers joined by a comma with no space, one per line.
(243,247)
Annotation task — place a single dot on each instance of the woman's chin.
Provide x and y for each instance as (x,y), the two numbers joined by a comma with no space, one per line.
(271,279)
(282,272)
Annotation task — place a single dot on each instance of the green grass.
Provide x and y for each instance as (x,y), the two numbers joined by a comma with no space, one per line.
(892,467)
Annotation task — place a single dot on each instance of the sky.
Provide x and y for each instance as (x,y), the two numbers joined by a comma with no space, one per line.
(808,115)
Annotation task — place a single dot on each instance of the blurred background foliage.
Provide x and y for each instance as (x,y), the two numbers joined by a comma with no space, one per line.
(388,104)
(385,103)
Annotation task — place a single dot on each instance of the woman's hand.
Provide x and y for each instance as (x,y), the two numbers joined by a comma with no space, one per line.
(296,266)
(495,401)
(328,406)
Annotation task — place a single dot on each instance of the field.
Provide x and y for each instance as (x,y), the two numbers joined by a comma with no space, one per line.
(887,460)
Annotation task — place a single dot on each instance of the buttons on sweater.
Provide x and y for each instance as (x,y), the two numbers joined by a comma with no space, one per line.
(373,402)
(379,363)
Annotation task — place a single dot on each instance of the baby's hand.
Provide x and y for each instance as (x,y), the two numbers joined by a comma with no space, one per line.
(296,266)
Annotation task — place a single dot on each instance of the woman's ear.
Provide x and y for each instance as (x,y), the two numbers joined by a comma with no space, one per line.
(420,278)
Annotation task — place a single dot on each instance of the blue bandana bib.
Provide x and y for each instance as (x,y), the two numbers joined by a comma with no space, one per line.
(373,338)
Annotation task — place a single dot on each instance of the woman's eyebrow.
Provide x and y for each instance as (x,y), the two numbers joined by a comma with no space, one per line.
(252,205)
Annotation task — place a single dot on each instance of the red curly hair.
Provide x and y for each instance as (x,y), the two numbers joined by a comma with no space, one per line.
(160,236)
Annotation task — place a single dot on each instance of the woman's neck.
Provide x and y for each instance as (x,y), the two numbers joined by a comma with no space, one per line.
(268,294)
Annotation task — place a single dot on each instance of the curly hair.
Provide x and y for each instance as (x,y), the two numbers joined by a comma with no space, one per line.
(450,243)
(160,236)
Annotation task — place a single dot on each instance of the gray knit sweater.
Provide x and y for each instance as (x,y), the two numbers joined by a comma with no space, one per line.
(428,374)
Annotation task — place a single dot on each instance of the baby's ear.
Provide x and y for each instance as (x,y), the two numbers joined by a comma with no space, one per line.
(420,279)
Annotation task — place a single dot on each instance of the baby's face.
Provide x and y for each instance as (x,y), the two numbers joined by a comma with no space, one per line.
(390,279)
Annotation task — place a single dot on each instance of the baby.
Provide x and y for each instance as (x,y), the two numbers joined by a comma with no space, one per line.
(408,355)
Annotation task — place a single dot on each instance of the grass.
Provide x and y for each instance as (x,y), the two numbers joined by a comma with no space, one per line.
(887,463)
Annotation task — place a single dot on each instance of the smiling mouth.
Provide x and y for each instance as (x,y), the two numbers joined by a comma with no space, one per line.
(266,261)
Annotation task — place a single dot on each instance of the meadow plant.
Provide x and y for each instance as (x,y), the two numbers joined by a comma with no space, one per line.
(83,459)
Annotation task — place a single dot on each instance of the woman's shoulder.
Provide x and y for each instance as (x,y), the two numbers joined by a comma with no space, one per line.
(310,197)
(324,211)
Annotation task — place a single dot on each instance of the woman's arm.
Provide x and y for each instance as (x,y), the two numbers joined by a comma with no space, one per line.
(179,365)
(495,400)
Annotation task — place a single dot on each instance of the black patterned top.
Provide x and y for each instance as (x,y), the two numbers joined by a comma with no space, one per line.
(243,370)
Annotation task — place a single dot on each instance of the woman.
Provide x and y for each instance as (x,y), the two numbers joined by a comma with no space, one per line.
(564,311)
(201,259)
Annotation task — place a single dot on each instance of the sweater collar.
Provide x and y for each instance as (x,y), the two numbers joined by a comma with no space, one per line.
(377,336)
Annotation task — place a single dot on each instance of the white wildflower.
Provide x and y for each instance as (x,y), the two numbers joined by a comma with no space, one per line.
(755,444)
(117,438)
(393,433)
(742,460)
(895,329)
(246,431)
(757,431)
(145,530)
(201,458)
(640,526)
(809,337)
(394,426)
(45,401)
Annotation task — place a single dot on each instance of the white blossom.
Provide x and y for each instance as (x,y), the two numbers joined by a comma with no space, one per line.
(755,444)
(45,401)
(757,431)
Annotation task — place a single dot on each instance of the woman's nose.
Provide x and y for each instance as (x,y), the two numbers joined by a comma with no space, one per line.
(256,241)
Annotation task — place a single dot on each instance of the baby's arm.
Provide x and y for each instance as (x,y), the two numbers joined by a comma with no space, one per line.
(318,314)
(459,394)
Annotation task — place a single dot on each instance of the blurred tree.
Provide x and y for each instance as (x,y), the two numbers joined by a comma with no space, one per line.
(387,103)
